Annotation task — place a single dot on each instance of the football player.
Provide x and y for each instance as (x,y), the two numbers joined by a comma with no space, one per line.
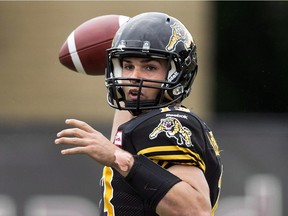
(164,160)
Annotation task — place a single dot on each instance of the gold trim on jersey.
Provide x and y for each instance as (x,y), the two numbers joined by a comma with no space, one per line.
(213,143)
(183,154)
(218,197)
(108,191)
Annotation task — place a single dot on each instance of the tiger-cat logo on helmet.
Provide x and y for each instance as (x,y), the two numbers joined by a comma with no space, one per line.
(173,128)
(179,34)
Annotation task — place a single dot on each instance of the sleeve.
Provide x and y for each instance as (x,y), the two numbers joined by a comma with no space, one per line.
(172,138)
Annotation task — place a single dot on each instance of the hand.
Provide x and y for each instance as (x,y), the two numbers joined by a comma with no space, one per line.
(87,141)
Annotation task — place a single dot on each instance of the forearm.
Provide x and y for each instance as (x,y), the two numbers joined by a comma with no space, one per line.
(182,199)
(120,117)
(191,196)
(171,196)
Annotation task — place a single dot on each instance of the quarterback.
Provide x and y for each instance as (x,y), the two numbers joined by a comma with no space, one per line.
(164,160)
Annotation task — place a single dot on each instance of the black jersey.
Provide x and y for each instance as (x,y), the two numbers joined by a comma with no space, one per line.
(168,136)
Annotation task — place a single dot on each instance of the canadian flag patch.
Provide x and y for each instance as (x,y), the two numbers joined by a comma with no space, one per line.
(118,138)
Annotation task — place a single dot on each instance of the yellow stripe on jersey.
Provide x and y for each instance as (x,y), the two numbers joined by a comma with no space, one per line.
(185,154)
(108,191)
(219,186)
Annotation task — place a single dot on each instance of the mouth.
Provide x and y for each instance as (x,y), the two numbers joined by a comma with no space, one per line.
(133,94)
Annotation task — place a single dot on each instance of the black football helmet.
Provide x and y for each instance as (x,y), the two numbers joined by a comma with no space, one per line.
(152,35)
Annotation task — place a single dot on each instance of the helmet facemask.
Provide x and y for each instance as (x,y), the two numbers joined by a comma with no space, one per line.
(170,90)
(145,43)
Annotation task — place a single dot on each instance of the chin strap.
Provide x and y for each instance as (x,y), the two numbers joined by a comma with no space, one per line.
(138,107)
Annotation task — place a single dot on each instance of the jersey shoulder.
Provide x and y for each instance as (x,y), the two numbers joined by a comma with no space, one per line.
(177,114)
(172,134)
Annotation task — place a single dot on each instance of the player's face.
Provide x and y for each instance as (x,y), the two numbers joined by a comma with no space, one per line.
(154,69)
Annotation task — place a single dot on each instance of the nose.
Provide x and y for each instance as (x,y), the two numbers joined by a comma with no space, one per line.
(136,73)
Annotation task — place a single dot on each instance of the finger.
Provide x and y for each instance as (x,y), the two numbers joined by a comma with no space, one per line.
(72,132)
(73,151)
(71,141)
(79,124)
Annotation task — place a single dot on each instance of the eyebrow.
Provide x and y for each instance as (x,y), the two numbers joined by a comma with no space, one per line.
(146,60)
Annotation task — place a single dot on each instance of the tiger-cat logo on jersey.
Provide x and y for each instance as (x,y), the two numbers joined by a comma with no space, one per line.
(173,128)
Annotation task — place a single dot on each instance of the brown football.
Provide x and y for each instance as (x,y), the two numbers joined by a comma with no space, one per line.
(84,50)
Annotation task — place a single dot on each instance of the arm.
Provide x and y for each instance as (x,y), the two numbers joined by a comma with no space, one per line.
(188,197)
(120,117)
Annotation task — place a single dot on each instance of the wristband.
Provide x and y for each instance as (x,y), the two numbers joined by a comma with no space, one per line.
(150,180)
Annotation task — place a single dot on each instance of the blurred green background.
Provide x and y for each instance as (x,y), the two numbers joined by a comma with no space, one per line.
(251,59)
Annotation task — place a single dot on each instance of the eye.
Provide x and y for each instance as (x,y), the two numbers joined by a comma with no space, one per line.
(127,66)
(151,68)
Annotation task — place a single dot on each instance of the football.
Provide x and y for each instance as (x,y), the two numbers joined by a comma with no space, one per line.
(84,51)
